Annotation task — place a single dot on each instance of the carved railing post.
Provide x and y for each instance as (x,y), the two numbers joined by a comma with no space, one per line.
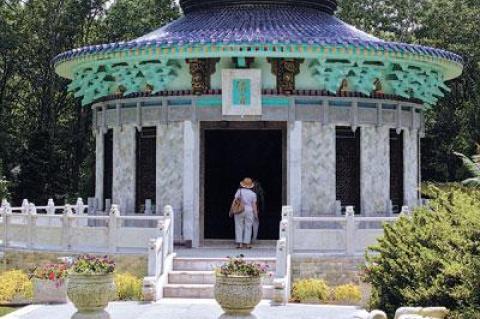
(32,221)
(148,207)
(169,214)
(50,207)
(113,228)
(4,216)
(405,211)
(80,207)
(24,209)
(350,230)
(67,220)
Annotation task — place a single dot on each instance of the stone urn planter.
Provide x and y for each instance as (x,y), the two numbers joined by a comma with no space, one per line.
(90,285)
(47,291)
(238,286)
(238,294)
(90,292)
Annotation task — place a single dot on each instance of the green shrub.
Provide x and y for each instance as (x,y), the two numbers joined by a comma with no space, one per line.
(347,294)
(432,258)
(15,284)
(128,286)
(310,290)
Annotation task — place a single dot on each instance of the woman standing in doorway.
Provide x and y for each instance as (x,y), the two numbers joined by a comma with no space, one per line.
(244,221)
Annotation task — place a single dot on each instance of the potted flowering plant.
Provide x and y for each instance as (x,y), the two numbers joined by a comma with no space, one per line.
(49,283)
(238,285)
(90,284)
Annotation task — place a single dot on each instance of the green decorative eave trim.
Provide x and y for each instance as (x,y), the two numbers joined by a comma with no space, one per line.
(66,66)
(98,80)
(415,80)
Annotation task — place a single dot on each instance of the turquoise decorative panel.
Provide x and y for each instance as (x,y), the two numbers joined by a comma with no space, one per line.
(419,81)
(93,83)
(242,92)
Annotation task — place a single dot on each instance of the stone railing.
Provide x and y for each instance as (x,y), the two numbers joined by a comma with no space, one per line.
(160,259)
(331,235)
(282,280)
(71,229)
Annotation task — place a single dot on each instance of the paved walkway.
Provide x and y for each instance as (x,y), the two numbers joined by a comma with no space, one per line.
(188,309)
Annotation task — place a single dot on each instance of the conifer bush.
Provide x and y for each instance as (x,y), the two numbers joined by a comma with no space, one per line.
(431,258)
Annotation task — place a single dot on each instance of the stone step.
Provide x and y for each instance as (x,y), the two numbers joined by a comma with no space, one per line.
(209,264)
(200,277)
(203,291)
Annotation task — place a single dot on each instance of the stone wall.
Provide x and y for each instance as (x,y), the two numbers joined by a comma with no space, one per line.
(318,169)
(334,270)
(170,165)
(124,167)
(375,170)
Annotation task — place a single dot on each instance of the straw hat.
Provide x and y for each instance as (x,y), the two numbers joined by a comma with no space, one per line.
(247,183)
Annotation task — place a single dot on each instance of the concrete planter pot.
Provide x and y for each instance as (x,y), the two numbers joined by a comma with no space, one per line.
(90,293)
(49,291)
(238,295)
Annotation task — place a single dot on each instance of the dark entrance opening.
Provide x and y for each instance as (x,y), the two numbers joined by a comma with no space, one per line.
(108,165)
(348,167)
(396,170)
(146,167)
(231,153)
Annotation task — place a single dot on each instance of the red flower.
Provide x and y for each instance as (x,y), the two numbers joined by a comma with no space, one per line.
(51,276)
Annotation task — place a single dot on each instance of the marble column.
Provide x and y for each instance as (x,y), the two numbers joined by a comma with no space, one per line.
(375,170)
(318,169)
(169,177)
(124,168)
(410,167)
(294,167)
(191,177)
(99,167)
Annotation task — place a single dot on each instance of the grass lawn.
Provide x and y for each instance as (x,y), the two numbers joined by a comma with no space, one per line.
(6,310)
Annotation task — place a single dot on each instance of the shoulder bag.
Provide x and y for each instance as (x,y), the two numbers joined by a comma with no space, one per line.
(237,205)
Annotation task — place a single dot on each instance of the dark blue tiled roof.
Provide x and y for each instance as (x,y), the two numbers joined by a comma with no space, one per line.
(262,24)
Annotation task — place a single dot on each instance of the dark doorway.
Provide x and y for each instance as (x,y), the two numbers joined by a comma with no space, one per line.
(146,167)
(348,167)
(396,170)
(108,165)
(229,156)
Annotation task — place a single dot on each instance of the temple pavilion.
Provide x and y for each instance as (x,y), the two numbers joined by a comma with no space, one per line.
(323,115)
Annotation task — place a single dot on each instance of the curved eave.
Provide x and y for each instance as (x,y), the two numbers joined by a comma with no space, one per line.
(449,63)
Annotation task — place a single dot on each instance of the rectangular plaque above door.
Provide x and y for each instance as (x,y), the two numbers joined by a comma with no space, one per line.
(242,92)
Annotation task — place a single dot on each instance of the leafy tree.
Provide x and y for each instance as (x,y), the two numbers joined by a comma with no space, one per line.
(130,19)
(453,124)
(4,194)
(432,258)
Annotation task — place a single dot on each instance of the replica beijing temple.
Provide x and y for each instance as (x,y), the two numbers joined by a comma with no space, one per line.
(323,115)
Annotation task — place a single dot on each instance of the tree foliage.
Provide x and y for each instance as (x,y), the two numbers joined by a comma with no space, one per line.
(432,258)
(46,143)
(453,124)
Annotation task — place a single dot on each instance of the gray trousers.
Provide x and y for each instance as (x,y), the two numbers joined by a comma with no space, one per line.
(256,225)
(243,227)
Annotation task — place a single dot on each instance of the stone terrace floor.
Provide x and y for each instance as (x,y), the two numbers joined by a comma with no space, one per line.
(188,309)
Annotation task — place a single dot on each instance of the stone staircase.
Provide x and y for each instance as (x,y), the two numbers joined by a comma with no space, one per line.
(194,277)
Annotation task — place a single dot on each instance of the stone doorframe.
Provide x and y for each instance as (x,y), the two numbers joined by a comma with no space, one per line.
(237,125)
